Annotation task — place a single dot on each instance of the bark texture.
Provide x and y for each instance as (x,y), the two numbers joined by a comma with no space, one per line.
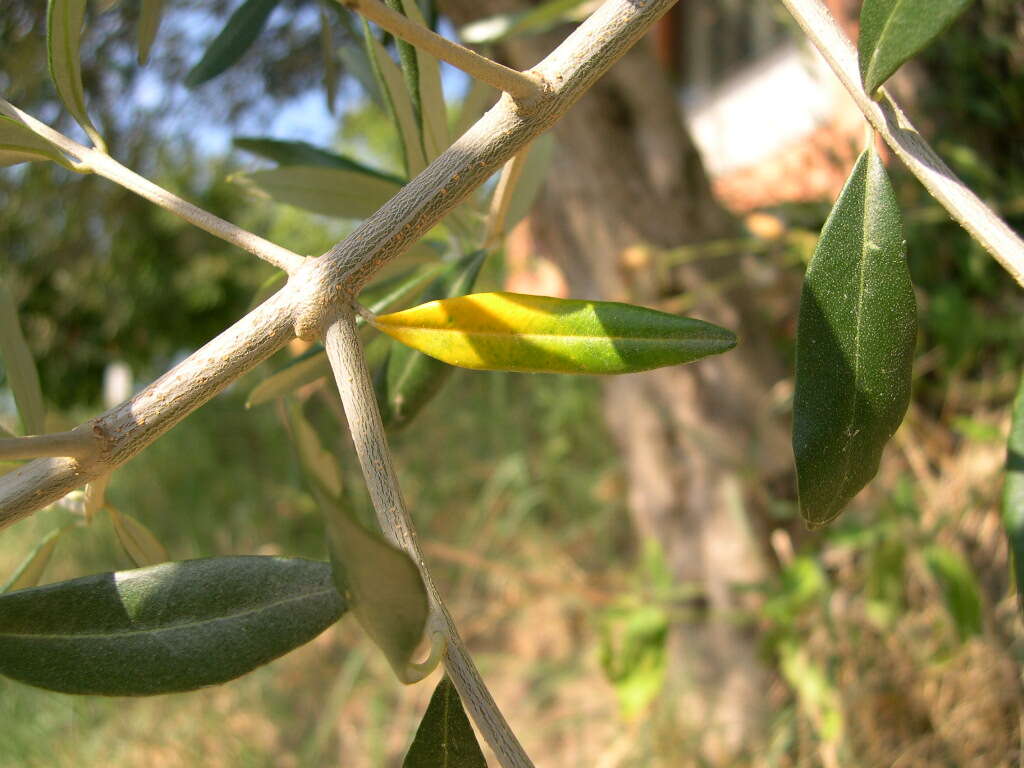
(694,439)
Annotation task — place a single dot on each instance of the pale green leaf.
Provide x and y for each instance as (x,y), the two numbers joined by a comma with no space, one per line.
(854,344)
(19,144)
(141,545)
(330,60)
(171,627)
(960,589)
(64,20)
(478,100)
(893,31)
(30,571)
(327,191)
(536,20)
(444,739)
(390,81)
(320,464)
(150,14)
(21,368)
(516,332)
(531,179)
(381,585)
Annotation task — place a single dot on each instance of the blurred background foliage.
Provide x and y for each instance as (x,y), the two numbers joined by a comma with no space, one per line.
(893,635)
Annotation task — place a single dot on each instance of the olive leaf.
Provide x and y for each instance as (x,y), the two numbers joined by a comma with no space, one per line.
(141,545)
(444,739)
(515,332)
(237,36)
(1013,492)
(328,191)
(64,19)
(171,627)
(428,98)
(22,376)
(960,589)
(854,344)
(150,15)
(302,153)
(20,144)
(892,31)
(30,571)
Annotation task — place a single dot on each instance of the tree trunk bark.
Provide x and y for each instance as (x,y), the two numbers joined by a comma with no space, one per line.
(626,177)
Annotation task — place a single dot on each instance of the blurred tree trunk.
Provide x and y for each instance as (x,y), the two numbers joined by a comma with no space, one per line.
(625,174)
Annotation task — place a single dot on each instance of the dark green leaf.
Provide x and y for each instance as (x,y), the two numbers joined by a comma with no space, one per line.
(445,739)
(151,13)
(301,153)
(170,627)
(234,40)
(64,20)
(959,589)
(22,376)
(892,31)
(330,59)
(429,98)
(19,144)
(410,379)
(381,585)
(1013,492)
(854,345)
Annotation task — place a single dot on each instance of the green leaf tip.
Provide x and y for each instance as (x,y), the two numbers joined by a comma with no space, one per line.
(445,738)
(854,345)
(237,36)
(893,31)
(168,628)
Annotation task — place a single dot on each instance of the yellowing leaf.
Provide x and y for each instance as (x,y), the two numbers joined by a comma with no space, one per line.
(515,332)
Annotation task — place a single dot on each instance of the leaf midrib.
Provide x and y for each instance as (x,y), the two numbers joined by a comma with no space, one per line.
(165,627)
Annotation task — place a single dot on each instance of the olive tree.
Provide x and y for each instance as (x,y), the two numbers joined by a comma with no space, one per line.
(177,626)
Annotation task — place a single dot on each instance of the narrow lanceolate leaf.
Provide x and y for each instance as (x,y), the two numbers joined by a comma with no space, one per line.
(392,86)
(381,585)
(141,545)
(330,59)
(302,153)
(318,463)
(234,40)
(445,739)
(171,627)
(150,14)
(306,368)
(31,569)
(854,344)
(531,180)
(892,31)
(432,111)
(327,191)
(409,64)
(515,332)
(959,587)
(410,379)
(21,368)
(64,19)
(19,144)
(1013,492)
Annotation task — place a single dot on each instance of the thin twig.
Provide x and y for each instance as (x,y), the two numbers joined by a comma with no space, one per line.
(521,86)
(503,198)
(313,294)
(102,164)
(887,118)
(76,443)
(345,352)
